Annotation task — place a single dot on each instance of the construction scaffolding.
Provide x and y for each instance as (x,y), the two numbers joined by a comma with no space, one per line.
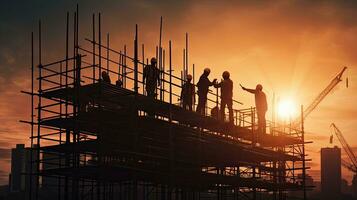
(97,140)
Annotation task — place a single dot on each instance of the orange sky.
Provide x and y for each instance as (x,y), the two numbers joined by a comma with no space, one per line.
(293,48)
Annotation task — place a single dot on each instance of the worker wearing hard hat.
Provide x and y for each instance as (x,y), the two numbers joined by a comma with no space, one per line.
(188,93)
(226,86)
(260,104)
(203,84)
(151,78)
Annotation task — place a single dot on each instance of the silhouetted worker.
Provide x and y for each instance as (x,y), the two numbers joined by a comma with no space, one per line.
(188,94)
(119,83)
(105,77)
(203,85)
(261,106)
(226,86)
(151,78)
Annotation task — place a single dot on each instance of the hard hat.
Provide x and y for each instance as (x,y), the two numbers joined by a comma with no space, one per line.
(225,75)
(259,87)
(207,70)
(153,60)
(189,77)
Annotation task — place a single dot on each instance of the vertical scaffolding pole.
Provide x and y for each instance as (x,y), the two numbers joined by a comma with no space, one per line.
(108,53)
(136,60)
(143,64)
(186,72)
(32,117)
(93,50)
(100,45)
(303,152)
(120,65)
(184,65)
(39,108)
(60,137)
(194,83)
(163,75)
(66,108)
(124,67)
(76,82)
(160,61)
(172,155)
(170,71)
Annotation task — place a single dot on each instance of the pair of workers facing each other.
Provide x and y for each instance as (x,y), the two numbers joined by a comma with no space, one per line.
(226,85)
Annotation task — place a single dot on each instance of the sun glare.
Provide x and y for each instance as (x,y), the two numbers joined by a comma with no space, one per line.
(287,109)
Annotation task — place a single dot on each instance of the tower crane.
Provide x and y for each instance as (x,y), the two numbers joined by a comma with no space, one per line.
(352,165)
(337,79)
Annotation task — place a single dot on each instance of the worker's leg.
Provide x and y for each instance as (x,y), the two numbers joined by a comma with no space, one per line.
(223,109)
(185,105)
(204,103)
(199,105)
(261,123)
(189,105)
(264,125)
(230,109)
(150,91)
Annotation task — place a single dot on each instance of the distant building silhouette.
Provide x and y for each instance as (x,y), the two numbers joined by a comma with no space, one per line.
(20,178)
(331,172)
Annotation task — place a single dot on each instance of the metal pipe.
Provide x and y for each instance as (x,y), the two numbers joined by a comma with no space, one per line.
(108,53)
(136,60)
(93,42)
(170,71)
(186,55)
(100,45)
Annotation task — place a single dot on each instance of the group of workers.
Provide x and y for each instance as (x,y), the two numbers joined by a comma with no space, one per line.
(151,78)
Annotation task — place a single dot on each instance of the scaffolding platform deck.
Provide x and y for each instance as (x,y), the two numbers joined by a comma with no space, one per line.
(116,98)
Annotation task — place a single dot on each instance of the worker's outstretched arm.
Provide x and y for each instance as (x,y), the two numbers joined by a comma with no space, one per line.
(247,89)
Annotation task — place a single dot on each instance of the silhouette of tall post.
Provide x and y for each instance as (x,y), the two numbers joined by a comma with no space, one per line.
(93,50)
(136,60)
(39,105)
(303,153)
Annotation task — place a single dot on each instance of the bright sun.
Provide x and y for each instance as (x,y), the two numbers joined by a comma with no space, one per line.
(287,109)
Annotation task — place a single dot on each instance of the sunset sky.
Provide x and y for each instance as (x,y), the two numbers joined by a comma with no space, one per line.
(293,48)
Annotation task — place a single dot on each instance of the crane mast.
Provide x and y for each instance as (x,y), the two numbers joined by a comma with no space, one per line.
(346,147)
(322,95)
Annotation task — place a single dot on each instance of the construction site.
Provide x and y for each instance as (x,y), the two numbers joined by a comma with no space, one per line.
(97,140)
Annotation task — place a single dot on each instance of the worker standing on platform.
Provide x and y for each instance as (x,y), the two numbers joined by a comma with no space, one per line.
(105,77)
(151,78)
(188,93)
(203,85)
(261,106)
(226,86)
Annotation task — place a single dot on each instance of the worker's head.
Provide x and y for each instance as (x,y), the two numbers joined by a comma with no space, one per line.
(189,78)
(259,87)
(153,61)
(104,73)
(207,71)
(225,75)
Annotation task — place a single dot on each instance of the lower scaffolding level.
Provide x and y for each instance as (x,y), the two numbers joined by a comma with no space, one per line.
(121,138)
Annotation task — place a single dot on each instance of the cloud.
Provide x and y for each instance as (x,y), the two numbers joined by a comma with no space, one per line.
(5,154)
